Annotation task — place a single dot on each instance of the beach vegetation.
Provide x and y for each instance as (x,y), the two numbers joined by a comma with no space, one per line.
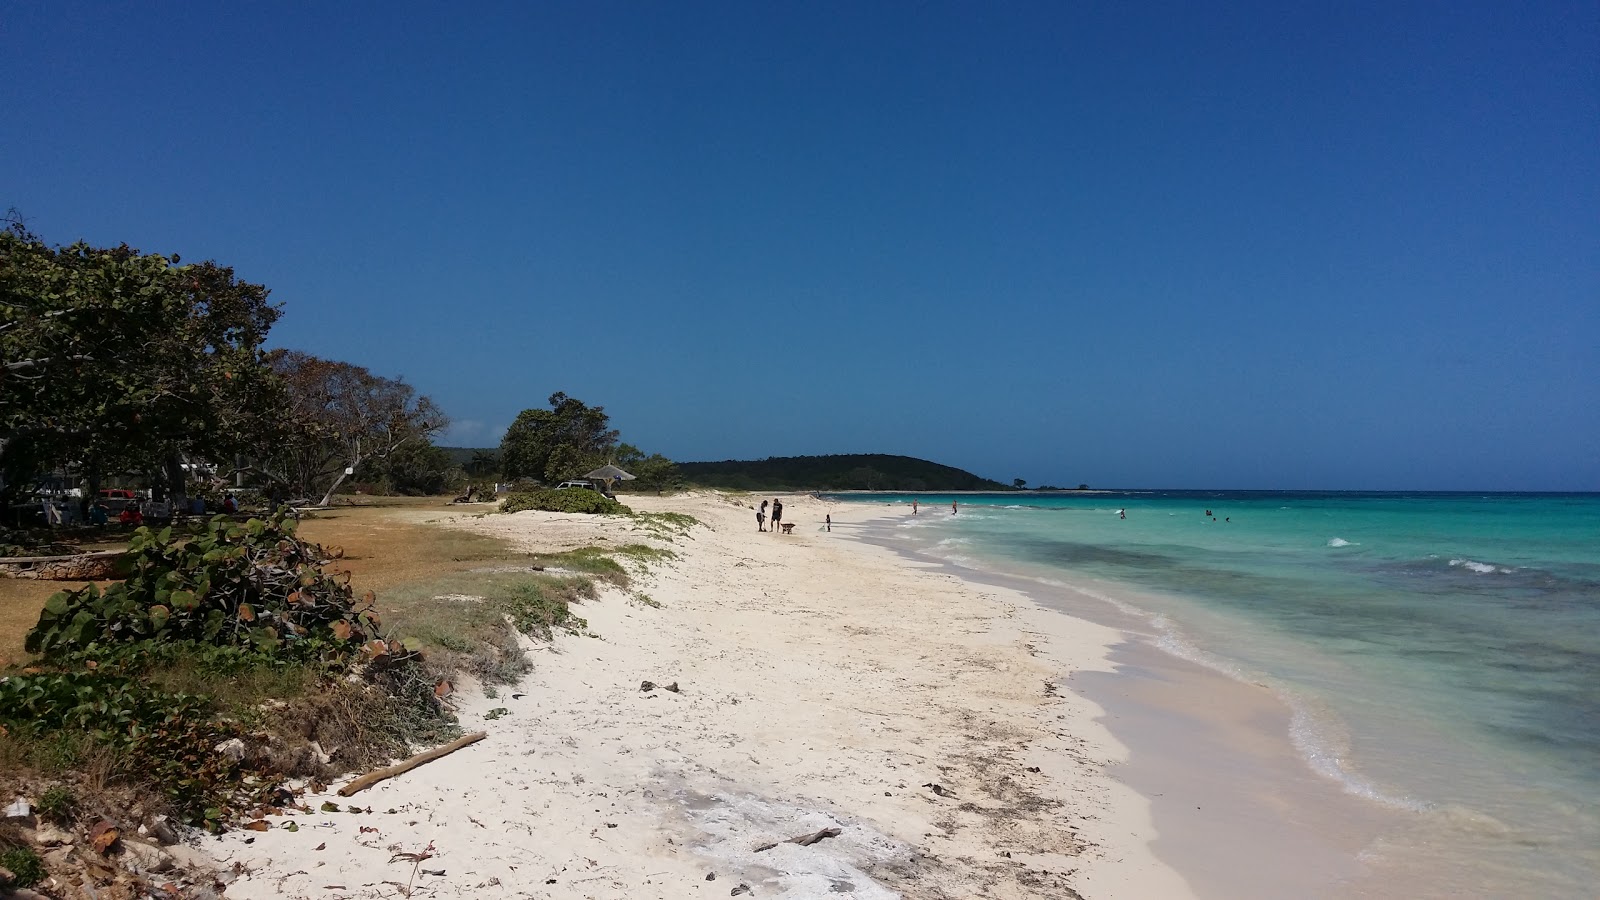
(569,501)
(340,417)
(115,359)
(667,526)
(221,629)
(25,866)
(555,444)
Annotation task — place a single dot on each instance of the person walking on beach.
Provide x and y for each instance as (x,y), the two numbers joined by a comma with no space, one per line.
(913,507)
(777,513)
(827,521)
(953,508)
(761,517)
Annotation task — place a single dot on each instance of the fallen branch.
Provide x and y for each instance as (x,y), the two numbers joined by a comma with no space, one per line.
(804,840)
(427,756)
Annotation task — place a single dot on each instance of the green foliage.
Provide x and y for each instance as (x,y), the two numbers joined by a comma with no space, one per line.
(23,863)
(570,500)
(665,525)
(116,358)
(251,585)
(537,607)
(416,469)
(163,739)
(558,443)
(58,804)
(839,472)
(656,473)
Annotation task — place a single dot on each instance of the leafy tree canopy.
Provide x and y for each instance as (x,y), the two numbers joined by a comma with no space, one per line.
(561,442)
(113,357)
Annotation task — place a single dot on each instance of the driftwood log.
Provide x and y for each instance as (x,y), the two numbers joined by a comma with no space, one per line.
(804,840)
(72,567)
(427,756)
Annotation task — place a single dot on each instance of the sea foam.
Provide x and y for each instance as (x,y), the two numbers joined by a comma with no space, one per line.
(1341,542)
(1480,568)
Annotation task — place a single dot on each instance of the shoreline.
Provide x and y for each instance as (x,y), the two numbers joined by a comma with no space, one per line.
(808,699)
(1238,811)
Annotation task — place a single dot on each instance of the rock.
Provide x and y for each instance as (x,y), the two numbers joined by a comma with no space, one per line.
(146,858)
(233,748)
(647,685)
(741,889)
(711,876)
(51,836)
(162,830)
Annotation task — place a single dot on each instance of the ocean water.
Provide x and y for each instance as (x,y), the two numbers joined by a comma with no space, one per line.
(1441,652)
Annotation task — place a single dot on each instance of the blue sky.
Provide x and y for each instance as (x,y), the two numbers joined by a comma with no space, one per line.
(1273,245)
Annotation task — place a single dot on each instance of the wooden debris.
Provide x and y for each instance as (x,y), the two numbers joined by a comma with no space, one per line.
(372,778)
(804,840)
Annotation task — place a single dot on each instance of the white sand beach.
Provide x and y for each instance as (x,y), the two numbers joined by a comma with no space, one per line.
(822,683)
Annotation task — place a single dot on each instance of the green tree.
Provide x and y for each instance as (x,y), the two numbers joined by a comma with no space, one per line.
(655,472)
(483,463)
(1018,483)
(564,441)
(113,358)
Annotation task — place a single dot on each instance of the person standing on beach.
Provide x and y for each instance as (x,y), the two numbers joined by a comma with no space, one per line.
(777,513)
(761,517)
(954,508)
(827,521)
(913,507)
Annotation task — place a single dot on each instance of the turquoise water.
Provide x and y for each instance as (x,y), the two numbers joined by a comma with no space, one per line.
(1441,651)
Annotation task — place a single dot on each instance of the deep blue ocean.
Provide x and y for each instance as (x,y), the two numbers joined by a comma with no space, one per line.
(1441,651)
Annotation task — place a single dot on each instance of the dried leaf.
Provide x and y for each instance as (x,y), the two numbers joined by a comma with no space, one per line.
(103,836)
(341,630)
(257,825)
(246,613)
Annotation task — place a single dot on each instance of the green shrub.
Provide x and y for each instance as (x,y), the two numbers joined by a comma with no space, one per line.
(24,864)
(163,739)
(250,585)
(57,804)
(569,500)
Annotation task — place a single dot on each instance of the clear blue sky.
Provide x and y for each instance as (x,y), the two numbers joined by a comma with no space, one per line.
(1274,245)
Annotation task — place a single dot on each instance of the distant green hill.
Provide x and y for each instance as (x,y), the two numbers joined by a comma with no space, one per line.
(839,472)
(462,456)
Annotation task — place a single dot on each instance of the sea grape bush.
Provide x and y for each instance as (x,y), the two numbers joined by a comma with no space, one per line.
(252,586)
(569,500)
(163,738)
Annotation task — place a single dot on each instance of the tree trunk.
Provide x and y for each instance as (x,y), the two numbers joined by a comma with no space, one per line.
(355,461)
(93,493)
(177,486)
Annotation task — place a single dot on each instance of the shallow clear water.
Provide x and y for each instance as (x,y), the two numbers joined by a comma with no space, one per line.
(1442,651)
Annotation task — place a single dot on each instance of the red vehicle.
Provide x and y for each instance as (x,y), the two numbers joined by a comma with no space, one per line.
(118,499)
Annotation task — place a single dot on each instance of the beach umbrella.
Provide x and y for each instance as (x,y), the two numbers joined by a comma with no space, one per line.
(609,472)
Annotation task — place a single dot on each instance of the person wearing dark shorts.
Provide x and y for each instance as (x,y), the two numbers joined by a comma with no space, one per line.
(777,513)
